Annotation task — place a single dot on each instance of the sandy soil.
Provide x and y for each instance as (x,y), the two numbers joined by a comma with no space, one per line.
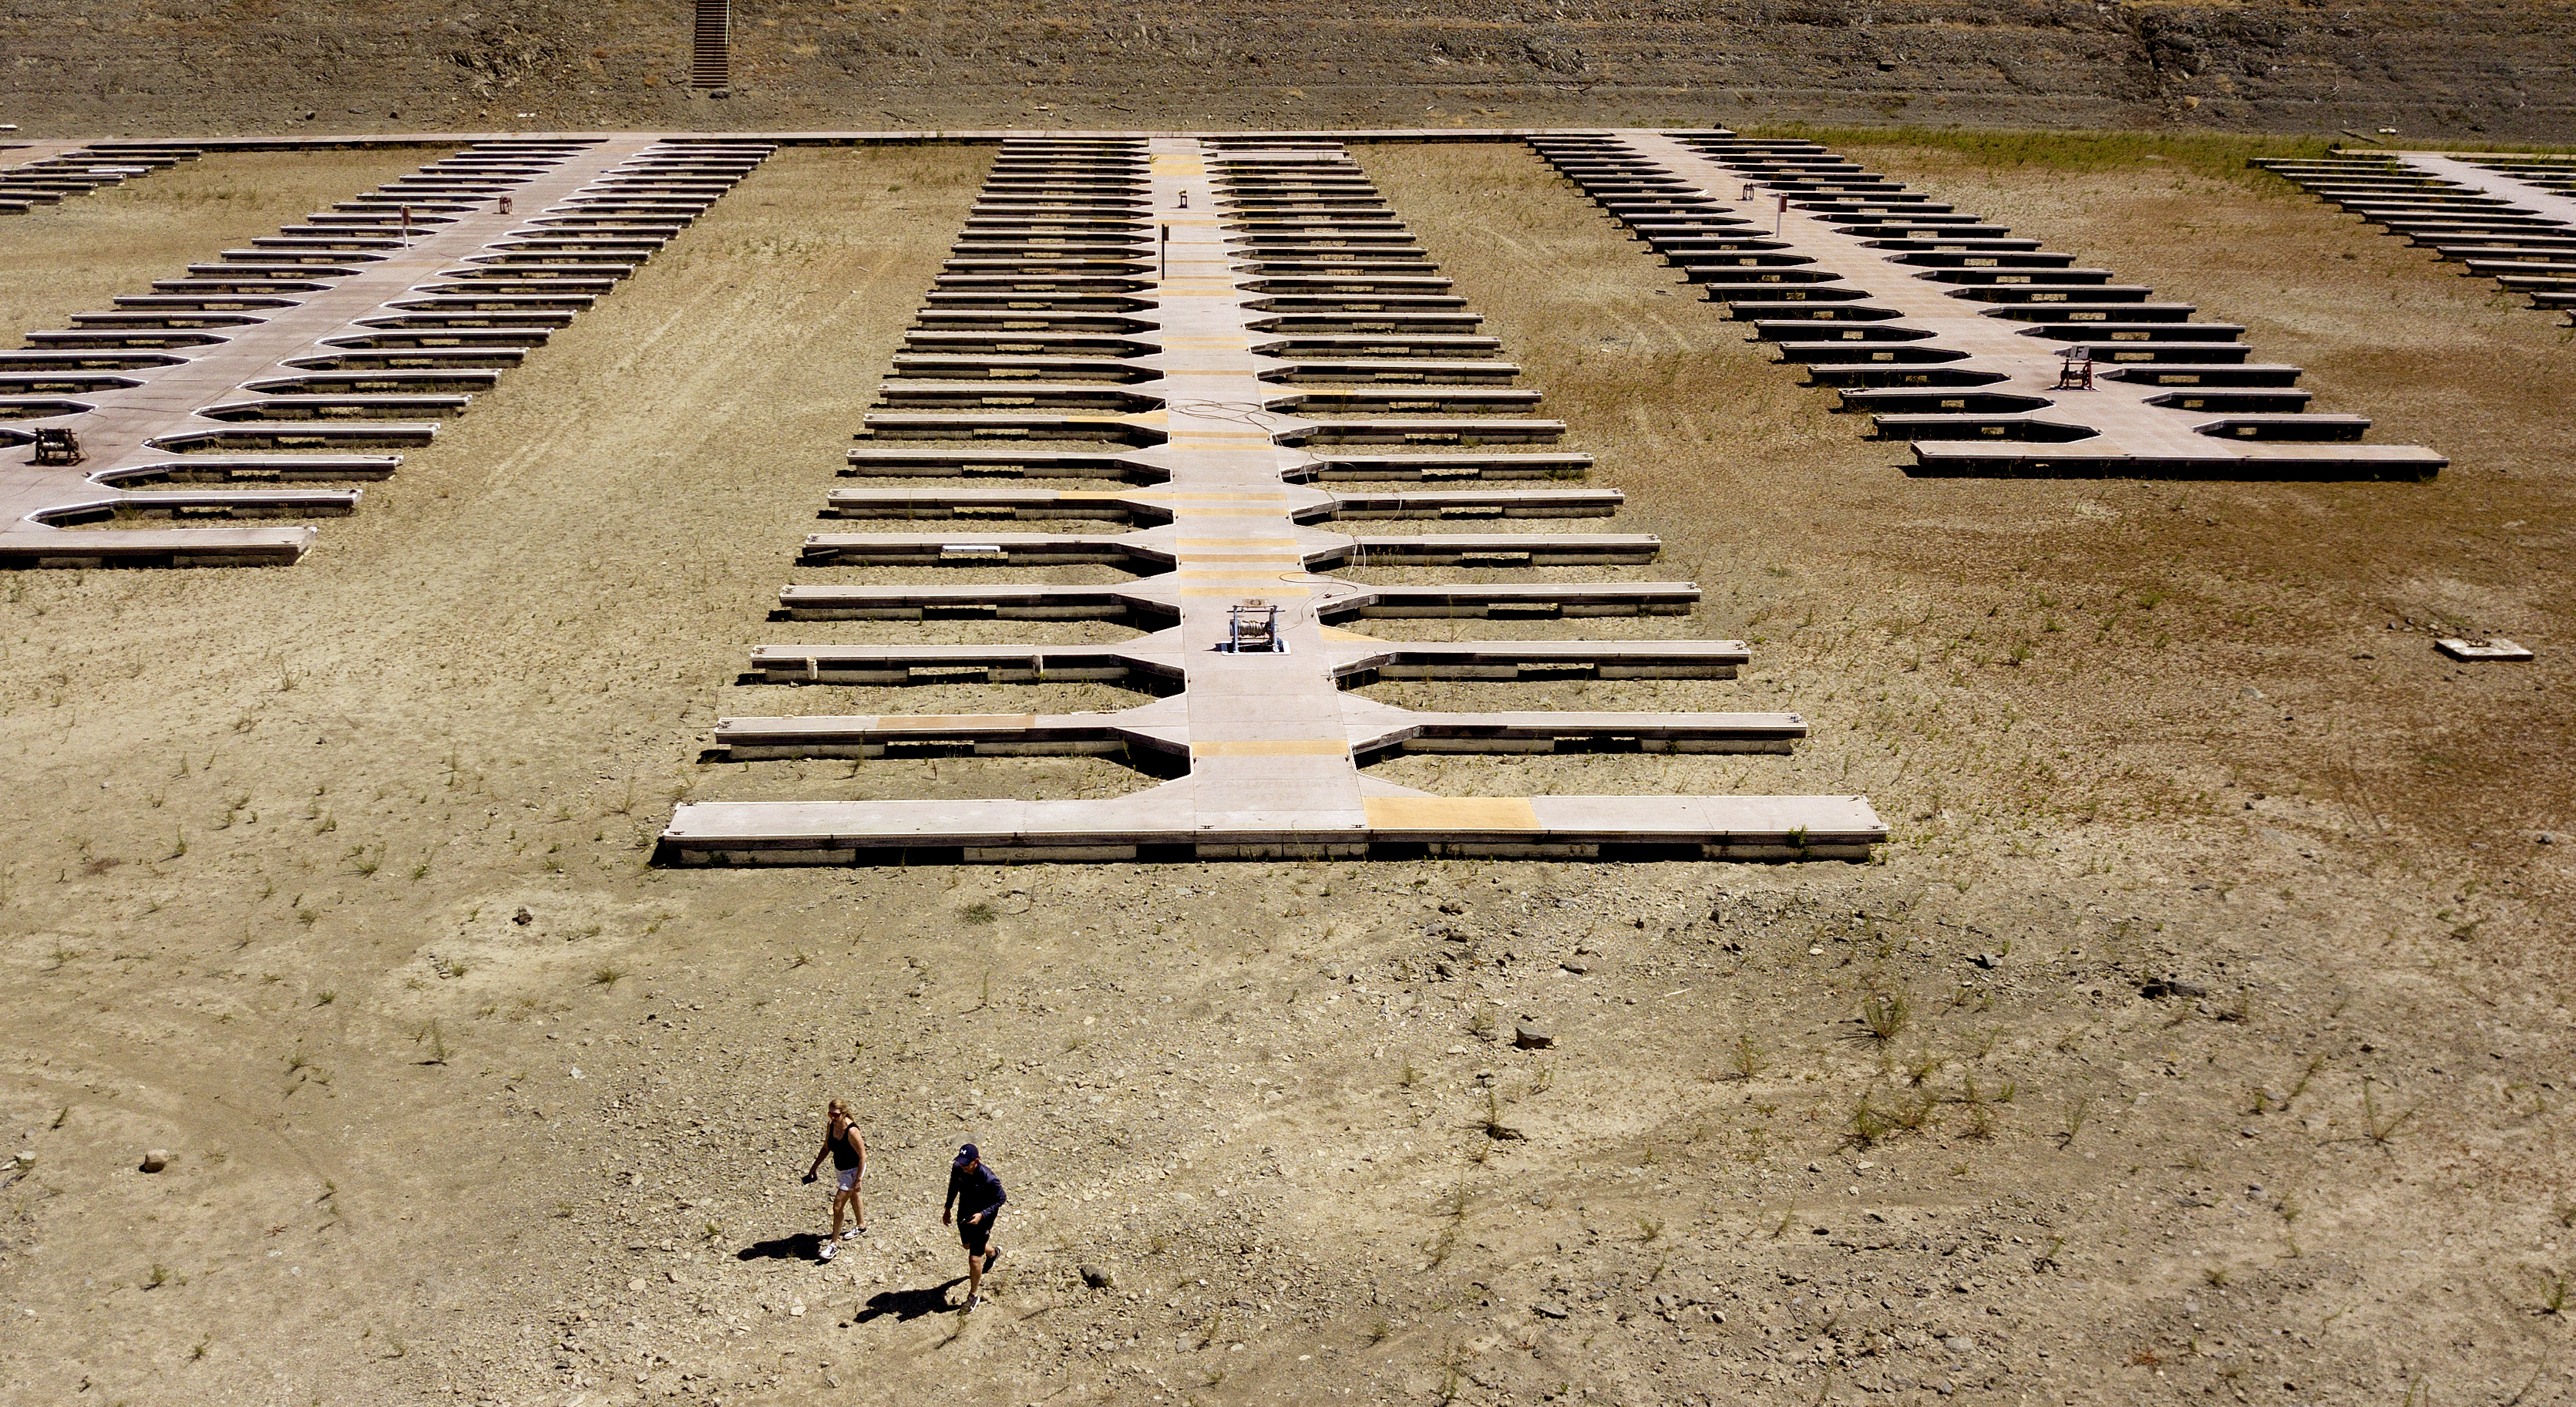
(2185,1042)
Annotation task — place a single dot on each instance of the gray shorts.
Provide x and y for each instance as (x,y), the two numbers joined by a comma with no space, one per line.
(846,1180)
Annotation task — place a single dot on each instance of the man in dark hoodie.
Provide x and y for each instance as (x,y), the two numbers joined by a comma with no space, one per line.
(975,1197)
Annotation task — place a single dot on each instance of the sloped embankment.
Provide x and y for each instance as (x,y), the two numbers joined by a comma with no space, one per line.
(2433,69)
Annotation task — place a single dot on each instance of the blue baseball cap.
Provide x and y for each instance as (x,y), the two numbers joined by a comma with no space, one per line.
(966,1154)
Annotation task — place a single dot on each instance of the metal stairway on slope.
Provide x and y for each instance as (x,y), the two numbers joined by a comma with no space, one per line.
(711,60)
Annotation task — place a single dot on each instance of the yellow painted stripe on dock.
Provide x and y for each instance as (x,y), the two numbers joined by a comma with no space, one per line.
(1265,592)
(1479,813)
(1152,496)
(1155,496)
(1273,747)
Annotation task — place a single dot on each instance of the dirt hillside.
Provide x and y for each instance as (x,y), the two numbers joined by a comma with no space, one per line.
(2449,69)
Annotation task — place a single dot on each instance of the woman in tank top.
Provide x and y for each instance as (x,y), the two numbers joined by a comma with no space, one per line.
(849,1154)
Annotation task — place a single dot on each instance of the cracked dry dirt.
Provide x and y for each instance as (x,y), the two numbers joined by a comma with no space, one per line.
(2200,1035)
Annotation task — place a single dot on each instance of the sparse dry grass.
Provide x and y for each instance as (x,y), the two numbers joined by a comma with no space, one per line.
(77,255)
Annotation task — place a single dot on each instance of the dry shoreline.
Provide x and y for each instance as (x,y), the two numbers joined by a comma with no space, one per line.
(2231,1040)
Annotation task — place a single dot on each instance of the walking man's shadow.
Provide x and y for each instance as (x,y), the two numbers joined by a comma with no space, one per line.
(908,1305)
(804,1245)
(903,1305)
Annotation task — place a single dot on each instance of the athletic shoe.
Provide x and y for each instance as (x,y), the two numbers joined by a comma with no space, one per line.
(971,1302)
(828,1249)
(853,1231)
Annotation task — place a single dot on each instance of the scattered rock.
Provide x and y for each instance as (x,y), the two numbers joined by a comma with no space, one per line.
(1988,961)
(155,1160)
(523,918)
(1550,1309)
(2158,988)
(1099,1277)
(1532,1038)
(1577,966)
(2545,838)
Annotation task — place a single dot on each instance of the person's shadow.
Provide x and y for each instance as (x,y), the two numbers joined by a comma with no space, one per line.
(904,1305)
(907,1305)
(804,1245)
